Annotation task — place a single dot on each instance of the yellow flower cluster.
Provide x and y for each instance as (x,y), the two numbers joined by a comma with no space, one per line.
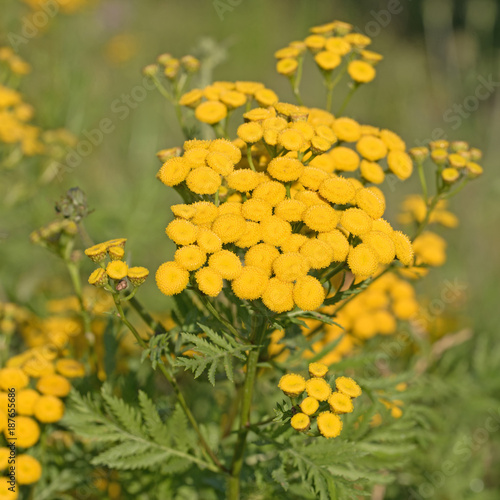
(278,208)
(330,44)
(109,255)
(321,402)
(15,113)
(456,160)
(414,209)
(213,103)
(66,6)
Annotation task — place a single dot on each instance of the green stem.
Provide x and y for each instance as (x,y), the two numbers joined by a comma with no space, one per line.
(295,81)
(424,223)
(219,318)
(333,272)
(173,383)
(249,158)
(423,182)
(348,98)
(233,486)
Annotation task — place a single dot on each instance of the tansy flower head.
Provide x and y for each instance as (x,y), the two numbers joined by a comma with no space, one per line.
(278,296)
(346,129)
(70,368)
(226,147)
(290,210)
(400,164)
(13,378)
(348,386)
(340,403)
(192,98)
(271,191)
(321,218)
(338,45)
(117,270)
(382,245)
(243,180)
(329,424)
(315,42)
(209,281)
(285,169)
(337,190)
(211,112)
(262,255)
(372,172)
(203,180)
(344,159)
(404,247)
(308,293)
(48,409)
(361,71)
(362,260)
(356,221)
(28,470)
(97,252)
(116,253)
(53,385)
(229,227)
(367,200)
(300,422)
(25,402)
(287,66)
(171,279)
(309,198)
(293,243)
(292,384)
(182,232)
(266,97)
(208,241)
(195,157)
(190,257)
(251,283)
(257,115)
(450,175)
(250,132)
(290,266)
(26,431)
(338,243)
(256,210)
(233,99)
(318,253)
(327,60)
(320,145)
(317,370)
(318,388)
(226,263)
(274,230)
(372,148)
(251,237)
(473,169)
(174,171)
(98,277)
(309,405)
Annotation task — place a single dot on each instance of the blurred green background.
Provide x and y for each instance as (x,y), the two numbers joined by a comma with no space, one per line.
(436,53)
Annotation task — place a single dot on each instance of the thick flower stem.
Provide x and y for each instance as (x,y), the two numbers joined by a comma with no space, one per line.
(233,485)
(175,387)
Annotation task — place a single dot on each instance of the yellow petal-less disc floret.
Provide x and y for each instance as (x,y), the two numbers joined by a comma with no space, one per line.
(392,140)
(346,129)
(338,45)
(291,139)
(400,164)
(256,210)
(329,424)
(97,252)
(226,147)
(116,253)
(262,255)
(372,148)
(274,230)
(290,266)
(137,275)
(251,236)
(293,243)
(327,60)
(344,159)
(292,384)
(371,203)
(251,283)
(226,263)
(229,227)
(195,157)
(48,409)
(220,163)
(309,405)
(203,180)
(174,171)
(28,470)
(340,403)
(250,132)
(209,281)
(382,245)
(308,293)
(98,277)
(372,172)
(54,385)
(321,218)
(300,422)
(171,278)
(318,253)
(278,296)
(318,388)
(361,71)
(25,401)
(271,191)
(211,112)
(233,99)
(182,232)
(243,180)
(13,378)
(317,370)
(117,270)
(311,178)
(337,190)
(190,257)
(266,97)
(348,386)
(26,431)
(208,241)
(338,242)
(362,260)
(356,221)
(404,248)
(450,175)
(290,210)
(285,169)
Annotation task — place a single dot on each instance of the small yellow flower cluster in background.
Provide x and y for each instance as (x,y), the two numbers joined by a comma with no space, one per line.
(109,255)
(272,199)
(321,402)
(414,210)
(455,160)
(331,44)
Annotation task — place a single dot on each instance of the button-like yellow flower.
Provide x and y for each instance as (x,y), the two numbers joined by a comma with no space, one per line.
(171,279)
(211,112)
(117,269)
(292,384)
